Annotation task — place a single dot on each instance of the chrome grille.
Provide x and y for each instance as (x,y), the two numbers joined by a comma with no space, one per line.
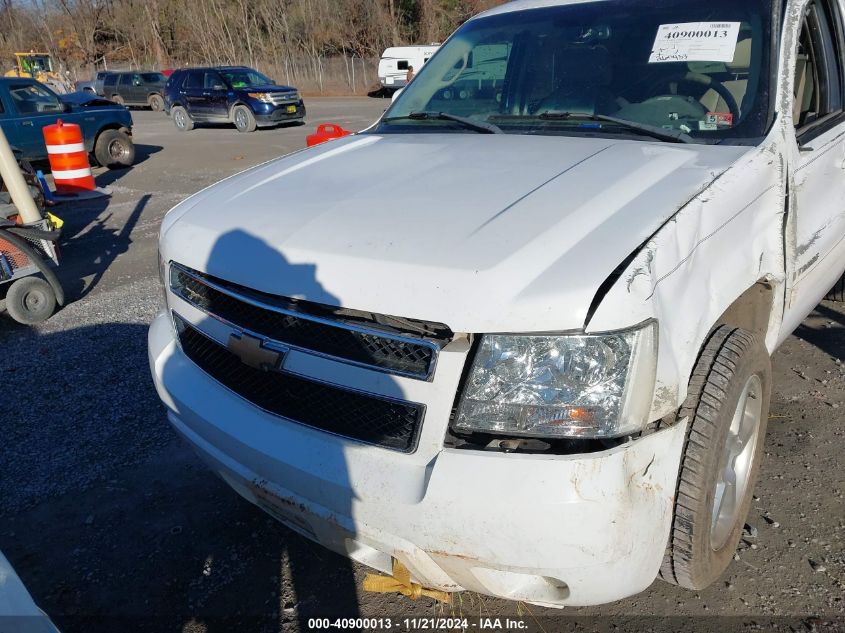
(278,98)
(265,316)
(364,417)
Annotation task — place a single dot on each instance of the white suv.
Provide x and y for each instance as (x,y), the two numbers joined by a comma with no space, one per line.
(544,372)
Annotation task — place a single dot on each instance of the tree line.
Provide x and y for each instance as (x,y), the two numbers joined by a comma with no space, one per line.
(319,45)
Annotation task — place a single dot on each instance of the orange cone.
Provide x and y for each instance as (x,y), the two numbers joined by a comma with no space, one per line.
(68,158)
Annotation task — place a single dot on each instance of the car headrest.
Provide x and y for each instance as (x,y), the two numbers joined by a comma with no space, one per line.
(583,66)
(742,56)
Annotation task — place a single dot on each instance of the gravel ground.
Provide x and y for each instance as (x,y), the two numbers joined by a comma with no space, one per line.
(114,525)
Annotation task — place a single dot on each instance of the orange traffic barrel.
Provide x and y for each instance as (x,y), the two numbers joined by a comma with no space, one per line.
(326,132)
(68,158)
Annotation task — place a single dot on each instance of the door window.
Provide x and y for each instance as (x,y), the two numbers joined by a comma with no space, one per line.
(213,81)
(195,81)
(34,99)
(818,102)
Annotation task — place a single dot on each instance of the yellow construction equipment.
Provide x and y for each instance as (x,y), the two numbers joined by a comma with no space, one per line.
(39,66)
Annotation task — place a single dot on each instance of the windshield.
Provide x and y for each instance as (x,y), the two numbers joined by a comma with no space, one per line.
(39,63)
(245,78)
(695,68)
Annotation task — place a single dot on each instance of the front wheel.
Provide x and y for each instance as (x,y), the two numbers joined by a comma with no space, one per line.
(30,300)
(244,119)
(114,149)
(118,100)
(728,407)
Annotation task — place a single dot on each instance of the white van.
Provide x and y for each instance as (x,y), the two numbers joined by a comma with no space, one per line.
(545,373)
(395,62)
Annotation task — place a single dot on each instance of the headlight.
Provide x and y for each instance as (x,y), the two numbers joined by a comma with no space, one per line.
(266,97)
(579,386)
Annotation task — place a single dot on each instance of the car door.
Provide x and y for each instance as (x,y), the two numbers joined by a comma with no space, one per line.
(37,106)
(124,87)
(216,92)
(817,230)
(138,91)
(196,101)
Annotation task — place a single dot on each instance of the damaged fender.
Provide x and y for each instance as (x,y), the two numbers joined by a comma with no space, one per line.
(721,243)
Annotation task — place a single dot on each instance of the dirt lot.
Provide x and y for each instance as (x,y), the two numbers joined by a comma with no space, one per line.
(115,526)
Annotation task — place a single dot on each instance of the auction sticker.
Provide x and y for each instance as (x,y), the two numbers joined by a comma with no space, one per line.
(720,118)
(695,42)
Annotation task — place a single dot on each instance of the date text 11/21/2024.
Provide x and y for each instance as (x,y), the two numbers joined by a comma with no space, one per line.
(419,624)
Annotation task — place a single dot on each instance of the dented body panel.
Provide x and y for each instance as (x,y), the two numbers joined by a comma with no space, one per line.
(579,235)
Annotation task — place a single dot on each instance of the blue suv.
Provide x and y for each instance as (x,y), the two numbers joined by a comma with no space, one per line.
(229,94)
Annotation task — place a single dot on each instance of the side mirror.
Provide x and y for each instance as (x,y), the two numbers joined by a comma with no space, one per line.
(66,107)
(396,95)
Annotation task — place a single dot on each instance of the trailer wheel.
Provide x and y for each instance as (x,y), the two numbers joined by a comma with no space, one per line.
(837,293)
(727,407)
(30,300)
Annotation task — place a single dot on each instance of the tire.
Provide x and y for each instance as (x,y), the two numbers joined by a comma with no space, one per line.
(156,103)
(30,300)
(118,100)
(114,149)
(837,293)
(181,119)
(734,364)
(244,119)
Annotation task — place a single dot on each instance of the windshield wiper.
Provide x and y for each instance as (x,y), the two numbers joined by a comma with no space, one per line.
(472,124)
(674,136)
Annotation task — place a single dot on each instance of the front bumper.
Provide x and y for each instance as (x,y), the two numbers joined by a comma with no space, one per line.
(266,114)
(548,530)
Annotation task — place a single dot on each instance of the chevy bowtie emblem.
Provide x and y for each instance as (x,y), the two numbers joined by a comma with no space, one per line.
(251,352)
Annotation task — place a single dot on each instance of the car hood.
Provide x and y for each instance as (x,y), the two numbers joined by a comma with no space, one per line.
(87,100)
(268,88)
(485,233)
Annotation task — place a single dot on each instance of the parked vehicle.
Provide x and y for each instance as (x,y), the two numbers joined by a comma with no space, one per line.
(545,375)
(230,94)
(395,62)
(140,89)
(26,106)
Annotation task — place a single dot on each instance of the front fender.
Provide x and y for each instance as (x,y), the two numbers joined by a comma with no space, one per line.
(726,239)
